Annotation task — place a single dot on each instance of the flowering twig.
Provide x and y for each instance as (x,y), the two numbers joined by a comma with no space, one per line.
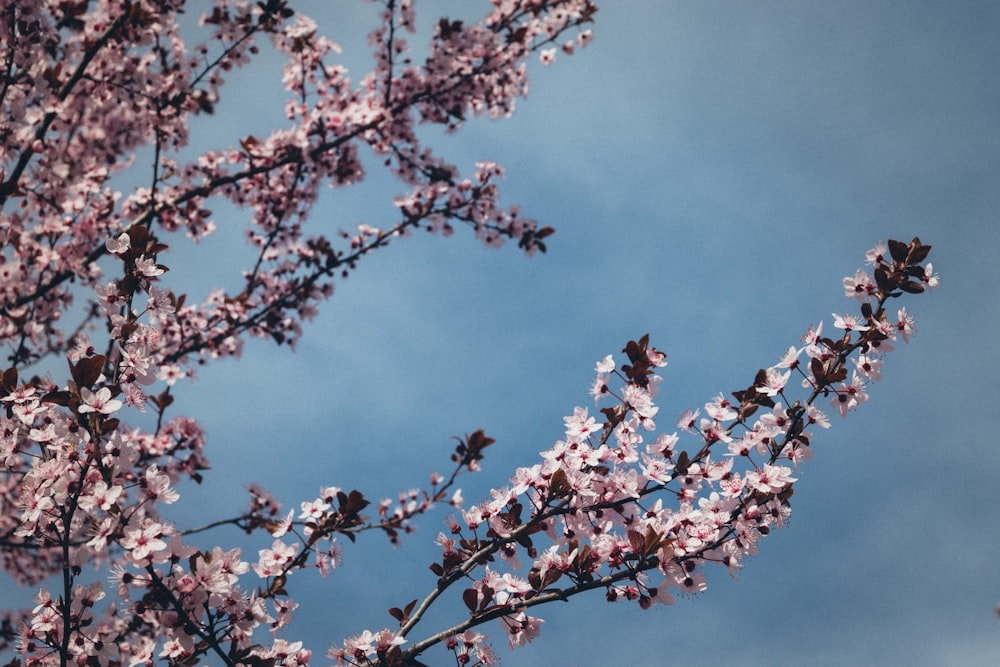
(594,486)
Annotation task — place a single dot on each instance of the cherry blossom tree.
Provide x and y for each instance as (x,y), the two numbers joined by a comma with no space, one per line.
(92,453)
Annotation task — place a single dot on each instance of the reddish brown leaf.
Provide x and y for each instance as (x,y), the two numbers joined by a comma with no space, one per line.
(636,541)
(683,462)
(87,370)
(898,250)
(559,486)
(919,254)
(10,379)
(57,397)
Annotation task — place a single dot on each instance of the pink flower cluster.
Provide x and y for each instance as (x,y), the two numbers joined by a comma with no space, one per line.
(109,79)
(84,278)
(616,507)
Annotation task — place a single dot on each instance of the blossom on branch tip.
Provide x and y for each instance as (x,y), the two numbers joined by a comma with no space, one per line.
(876,255)
(606,365)
(790,359)
(930,278)
(905,324)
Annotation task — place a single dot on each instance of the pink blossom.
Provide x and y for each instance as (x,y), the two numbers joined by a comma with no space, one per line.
(159,303)
(816,416)
(313,509)
(101,497)
(869,366)
(606,365)
(904,324)
(141,652)
(860,286)
(930,279)
(720,409)
(20,395)
(776,421)
(272,561)
(774,382)
(770,478)
(147,266)
(522,629)
(157,486)
(99,401)
(848,323)
(117,246)
(847,397)
(330,559)
(790,359)
(581,425)
(687,420)
(144,540)
(877,254)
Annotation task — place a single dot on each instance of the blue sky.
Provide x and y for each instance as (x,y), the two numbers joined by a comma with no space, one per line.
(713,170)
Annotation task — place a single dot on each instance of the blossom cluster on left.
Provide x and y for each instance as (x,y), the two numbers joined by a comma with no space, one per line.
(90,90)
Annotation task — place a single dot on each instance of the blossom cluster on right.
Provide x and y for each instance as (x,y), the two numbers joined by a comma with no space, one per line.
(615,506)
